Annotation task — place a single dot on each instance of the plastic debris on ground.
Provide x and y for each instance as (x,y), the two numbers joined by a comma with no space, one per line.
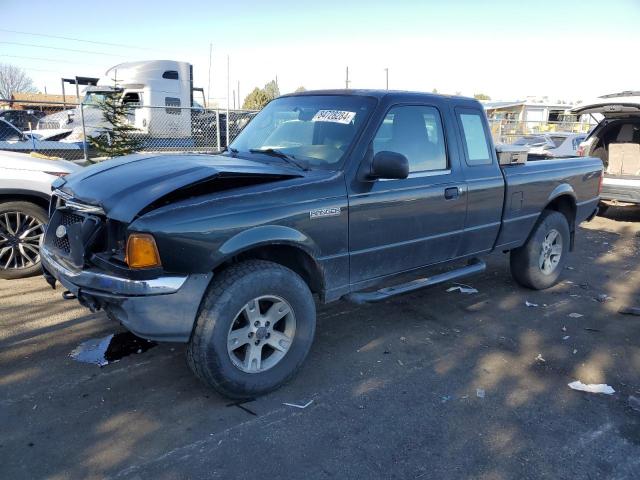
(480,392)
(630,311)
(566,337)
(467,290)
(298,406)
(592,387)
(539,358)
(529,304)
(576,315)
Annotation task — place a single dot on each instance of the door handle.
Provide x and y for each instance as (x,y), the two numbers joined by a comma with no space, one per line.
(451,193)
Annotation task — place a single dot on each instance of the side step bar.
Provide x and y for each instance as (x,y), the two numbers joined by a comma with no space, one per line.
(474,266)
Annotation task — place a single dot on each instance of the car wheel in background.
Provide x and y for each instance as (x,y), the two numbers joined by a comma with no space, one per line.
(539,262)
(254,329)
(22,226)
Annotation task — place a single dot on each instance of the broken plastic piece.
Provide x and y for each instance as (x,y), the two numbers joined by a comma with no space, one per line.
(529,304)
(298,406)
(539,358)
(592,387)
(480,392)
(576,315)
(467,290)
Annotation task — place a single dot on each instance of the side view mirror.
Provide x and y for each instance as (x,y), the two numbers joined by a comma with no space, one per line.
(390,165)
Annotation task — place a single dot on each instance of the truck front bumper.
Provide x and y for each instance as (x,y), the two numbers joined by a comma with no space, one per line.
(160,309)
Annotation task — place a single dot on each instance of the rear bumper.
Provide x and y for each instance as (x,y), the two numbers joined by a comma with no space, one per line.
(160,309)
(621,190)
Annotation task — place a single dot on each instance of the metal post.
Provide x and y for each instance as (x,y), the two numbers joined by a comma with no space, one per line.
(218,128)
(84,131)
(239,104)
(346,83)
(386,71)
(64,98)
(228,99)
(209,82)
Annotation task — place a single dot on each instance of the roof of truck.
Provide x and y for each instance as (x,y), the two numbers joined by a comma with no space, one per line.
(377,93)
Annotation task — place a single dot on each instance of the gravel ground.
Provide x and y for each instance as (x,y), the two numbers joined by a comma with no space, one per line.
(429,385)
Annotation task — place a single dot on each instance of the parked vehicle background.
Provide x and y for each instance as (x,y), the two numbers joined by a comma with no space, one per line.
(616,141)
(25,190)
(24,120)
(12,139)
(555,145)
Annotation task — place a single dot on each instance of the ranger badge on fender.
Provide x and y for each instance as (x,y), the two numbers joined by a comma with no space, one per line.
(324,212)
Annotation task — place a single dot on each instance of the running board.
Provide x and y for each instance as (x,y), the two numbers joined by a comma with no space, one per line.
(474,266)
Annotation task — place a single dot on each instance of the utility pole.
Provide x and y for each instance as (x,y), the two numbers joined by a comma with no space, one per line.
(209,82)
(386,71)
(239,104)
(228,100)
(347,81)
(234,99)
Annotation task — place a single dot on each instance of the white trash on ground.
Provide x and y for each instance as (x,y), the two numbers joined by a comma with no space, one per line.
(467,290)
(298,406)
(592,387)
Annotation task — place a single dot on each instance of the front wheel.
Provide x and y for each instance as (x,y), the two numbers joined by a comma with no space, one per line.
(539,262)
(254,329)
(22,227)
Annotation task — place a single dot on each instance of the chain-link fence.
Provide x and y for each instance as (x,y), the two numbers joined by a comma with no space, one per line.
(53,130)
(508,131)
(50,129)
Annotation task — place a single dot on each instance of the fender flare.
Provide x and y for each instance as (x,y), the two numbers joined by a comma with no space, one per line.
(562,189)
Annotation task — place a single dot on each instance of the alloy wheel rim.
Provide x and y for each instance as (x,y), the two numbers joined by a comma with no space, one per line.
(20,238)
(551,252)
(261,334)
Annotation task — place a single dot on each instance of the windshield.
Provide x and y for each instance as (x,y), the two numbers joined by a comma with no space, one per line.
(317,129)
(95,98)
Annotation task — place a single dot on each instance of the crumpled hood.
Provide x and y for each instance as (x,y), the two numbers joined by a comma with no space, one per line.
(125,186)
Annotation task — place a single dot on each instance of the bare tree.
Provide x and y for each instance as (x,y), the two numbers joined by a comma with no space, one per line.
(14,79)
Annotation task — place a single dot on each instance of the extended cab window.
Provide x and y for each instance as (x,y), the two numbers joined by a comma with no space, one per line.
(415,132)
(475,138)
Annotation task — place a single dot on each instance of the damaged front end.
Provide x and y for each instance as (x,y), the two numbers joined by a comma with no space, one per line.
(84,250)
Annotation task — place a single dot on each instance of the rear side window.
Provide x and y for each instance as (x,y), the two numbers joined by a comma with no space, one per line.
(475,138)
(170,75)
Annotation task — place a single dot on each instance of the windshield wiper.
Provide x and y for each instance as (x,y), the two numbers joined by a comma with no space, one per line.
(274,152)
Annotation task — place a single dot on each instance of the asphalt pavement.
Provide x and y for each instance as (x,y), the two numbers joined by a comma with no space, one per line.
(434,384)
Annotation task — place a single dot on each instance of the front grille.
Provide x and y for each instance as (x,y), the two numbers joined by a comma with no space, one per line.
(66,218)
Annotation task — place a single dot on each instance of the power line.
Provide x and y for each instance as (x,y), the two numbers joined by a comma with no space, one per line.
(74,39)
(56,60)
(60,48)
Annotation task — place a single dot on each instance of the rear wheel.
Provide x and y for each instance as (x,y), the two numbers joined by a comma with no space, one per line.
(254,330)
(22,227)
(539,262)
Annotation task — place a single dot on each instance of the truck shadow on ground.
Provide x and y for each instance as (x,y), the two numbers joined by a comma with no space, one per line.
(428,385)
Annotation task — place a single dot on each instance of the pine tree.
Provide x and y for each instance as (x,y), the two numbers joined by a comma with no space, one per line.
(117,137)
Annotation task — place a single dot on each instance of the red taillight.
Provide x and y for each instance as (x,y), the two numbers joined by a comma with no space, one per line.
(600,182)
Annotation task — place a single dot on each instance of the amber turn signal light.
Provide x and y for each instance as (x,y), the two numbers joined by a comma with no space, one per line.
(142,251)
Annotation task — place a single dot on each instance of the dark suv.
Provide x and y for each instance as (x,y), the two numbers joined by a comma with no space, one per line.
(22,118)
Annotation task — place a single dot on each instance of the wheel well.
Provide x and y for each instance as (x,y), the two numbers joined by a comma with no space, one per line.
(289,256)
(21,197)
(566,205)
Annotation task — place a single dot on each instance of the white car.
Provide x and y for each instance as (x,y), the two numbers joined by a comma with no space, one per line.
(552,145)
(12,139)
(616,141)
(25,189)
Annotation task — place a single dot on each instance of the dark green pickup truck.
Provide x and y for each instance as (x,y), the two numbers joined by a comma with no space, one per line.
(325,195)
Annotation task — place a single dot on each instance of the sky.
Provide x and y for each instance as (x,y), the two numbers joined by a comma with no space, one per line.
(563,49)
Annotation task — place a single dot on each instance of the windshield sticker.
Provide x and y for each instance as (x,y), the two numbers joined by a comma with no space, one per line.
(336,116)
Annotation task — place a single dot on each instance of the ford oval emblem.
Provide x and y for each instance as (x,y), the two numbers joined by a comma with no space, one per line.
(61,231)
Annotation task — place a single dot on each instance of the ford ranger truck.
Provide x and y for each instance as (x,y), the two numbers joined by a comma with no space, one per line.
(323,196)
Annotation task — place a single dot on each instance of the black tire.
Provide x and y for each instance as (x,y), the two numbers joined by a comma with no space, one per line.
(233,288)
(525,261)
(9,269)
